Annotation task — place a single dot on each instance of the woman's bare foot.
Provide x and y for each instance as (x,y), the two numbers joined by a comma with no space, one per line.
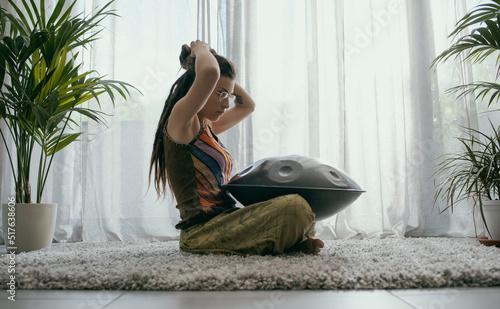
(309,246)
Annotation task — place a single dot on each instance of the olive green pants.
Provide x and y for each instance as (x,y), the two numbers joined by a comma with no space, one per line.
(269,227)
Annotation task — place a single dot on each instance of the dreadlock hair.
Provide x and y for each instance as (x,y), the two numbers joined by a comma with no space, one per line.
(178,90)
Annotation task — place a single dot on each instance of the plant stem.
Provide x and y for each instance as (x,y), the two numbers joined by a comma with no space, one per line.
(8,153)
(55,148)
(40,173)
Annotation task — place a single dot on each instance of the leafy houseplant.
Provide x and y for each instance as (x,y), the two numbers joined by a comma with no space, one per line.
(44,85)
(475,172)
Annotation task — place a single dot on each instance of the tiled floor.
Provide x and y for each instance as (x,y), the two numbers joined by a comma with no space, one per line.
(458,298)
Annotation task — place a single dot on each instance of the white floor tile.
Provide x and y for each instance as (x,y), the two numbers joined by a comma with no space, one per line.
(260,300)
(67,294)
(456,298)
(458,290)
(54,304)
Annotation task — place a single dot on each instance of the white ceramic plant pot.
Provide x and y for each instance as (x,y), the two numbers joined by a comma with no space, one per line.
(491,210)
(28,227)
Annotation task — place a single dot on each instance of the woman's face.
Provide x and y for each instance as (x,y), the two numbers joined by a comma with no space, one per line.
(214,108)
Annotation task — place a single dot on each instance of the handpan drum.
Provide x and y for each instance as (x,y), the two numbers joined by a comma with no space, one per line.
(327,190)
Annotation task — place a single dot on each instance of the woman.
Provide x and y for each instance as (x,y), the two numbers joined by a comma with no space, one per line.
(203,102)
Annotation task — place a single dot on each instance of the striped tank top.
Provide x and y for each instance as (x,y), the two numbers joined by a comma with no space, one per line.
(196,172)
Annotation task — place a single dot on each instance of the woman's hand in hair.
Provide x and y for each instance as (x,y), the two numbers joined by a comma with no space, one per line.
(190,53)
(198,46)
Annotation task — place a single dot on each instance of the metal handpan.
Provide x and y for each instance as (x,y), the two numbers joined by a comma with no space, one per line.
(327,189)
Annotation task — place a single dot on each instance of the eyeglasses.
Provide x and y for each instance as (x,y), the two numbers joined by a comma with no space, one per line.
(224,95)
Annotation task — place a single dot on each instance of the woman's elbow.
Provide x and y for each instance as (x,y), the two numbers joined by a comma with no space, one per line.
(251,106)
(209,74)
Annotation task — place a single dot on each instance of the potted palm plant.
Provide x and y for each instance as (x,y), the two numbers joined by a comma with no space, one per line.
(475,171)
(43,86)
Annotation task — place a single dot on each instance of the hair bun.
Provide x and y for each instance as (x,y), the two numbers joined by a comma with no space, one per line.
(187,62)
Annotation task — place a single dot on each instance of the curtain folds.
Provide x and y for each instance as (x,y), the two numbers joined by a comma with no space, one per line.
(347,81)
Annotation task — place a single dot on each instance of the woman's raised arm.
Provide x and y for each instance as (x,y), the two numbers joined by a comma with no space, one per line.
(183,123)
(243,107)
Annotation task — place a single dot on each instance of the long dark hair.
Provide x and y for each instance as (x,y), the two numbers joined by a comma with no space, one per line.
(178,91)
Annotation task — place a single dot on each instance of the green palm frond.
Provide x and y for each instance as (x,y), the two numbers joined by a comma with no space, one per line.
(481,42)
(481,90)
(479,14)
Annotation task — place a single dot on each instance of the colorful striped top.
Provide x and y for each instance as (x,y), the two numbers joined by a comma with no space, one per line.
(196,173)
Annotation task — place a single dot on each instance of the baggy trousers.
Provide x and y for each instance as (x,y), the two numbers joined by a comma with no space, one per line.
(269,227)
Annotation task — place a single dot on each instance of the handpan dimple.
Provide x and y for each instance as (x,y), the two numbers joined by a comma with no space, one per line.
(285,171)
(327,189)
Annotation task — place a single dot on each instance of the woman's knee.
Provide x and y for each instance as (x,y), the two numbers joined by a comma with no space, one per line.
(291,208)
(297,199)
(297,206)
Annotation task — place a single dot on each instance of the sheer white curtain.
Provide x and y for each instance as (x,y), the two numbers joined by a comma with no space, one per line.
(346,81)
(349,81)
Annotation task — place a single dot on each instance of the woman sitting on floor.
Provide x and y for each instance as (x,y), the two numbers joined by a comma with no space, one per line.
(203,102)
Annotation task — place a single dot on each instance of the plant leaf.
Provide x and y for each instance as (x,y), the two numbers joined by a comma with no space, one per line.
(64,141)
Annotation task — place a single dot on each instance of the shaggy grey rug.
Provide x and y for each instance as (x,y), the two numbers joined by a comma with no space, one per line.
(390,263)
